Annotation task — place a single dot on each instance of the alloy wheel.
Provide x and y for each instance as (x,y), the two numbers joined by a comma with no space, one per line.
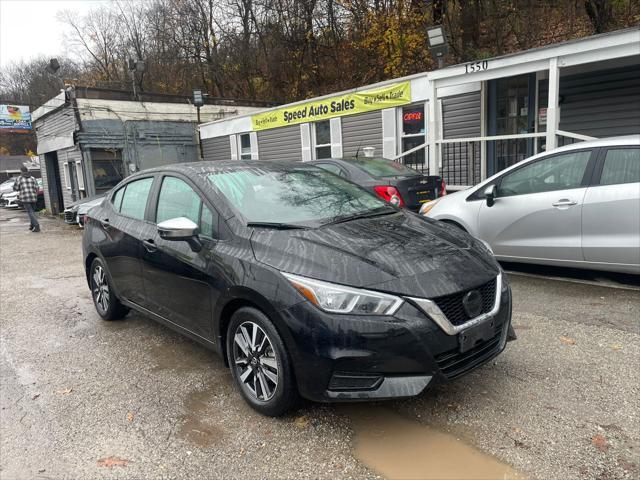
(255,361)
(100,288)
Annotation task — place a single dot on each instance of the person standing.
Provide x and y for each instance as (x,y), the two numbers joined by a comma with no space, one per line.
(27,189)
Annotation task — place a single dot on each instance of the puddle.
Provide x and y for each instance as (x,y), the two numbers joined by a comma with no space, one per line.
(401,449)
(182,356)
(195,428)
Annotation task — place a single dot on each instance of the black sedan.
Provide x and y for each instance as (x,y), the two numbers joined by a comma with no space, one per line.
(306,283)
(392,181)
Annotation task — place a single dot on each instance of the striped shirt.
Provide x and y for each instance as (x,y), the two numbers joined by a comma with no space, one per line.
(27,189)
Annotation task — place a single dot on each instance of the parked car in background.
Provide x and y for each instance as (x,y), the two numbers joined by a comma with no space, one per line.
(9,200)
(576,206)
(75,213)
(7,186)
(392,181)
(305,282)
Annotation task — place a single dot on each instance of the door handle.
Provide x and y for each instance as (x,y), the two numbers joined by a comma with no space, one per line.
(105,224)
(565,202)
(150,246)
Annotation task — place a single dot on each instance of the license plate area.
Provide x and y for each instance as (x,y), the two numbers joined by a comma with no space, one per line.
(469,338)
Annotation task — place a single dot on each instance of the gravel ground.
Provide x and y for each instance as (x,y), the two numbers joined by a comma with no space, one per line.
(82,398)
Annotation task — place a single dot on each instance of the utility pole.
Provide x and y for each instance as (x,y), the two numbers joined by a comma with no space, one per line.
(198,102)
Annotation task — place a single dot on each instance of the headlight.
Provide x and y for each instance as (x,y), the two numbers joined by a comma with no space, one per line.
(426,207)
(341,299)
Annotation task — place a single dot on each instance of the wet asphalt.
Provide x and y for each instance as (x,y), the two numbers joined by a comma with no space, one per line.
(83,398)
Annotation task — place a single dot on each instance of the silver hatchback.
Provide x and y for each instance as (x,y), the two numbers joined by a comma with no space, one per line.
(576,206)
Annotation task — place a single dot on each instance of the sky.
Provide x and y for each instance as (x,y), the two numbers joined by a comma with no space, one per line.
(29,28)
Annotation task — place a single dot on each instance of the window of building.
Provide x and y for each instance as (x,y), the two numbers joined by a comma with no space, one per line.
(322,139)
(107,169)
(134,201)
(413,133)
(621,165)
(245,146)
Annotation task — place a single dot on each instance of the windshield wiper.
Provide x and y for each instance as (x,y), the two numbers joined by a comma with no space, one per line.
(276,225)
(371,213)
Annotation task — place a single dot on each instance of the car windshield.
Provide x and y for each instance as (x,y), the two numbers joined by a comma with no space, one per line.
(301,195)
(381,167)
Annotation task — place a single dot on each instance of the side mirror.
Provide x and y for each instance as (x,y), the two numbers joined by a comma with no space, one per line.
(490,194)
(180,229)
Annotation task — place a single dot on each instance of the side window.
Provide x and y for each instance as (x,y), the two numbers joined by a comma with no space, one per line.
(330,167)
(621,165)
(558,172)
(208,222)
(117,199)
(177,199)
(134,200)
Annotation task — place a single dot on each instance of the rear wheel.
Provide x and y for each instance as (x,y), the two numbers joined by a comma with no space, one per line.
(104,299)
(259,363)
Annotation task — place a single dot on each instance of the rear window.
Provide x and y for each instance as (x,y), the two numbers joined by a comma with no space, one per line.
(134,201)
(381,167)
(621,165)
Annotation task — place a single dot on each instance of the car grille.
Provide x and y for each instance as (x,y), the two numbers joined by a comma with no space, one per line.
(70,216)
(452,308)
(452,363)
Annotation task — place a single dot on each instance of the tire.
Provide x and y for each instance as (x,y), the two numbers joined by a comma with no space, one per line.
(104,299)
(262,368)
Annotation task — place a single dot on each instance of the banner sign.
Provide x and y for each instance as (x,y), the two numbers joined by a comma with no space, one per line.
(15,117)
(347,104)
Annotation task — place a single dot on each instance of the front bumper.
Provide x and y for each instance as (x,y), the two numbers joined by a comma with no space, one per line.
(349,357)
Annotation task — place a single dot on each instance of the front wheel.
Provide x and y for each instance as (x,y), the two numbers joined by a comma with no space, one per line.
(104,299)
(259,363)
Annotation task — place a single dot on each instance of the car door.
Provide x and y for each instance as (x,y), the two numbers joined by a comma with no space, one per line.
(537,211)
(177,280)
(611,211)
(121,221)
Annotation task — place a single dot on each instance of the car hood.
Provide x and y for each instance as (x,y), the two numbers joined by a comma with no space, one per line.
(400,253)
(86,203)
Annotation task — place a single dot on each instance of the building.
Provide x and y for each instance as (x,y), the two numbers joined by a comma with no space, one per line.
(464,122)
(90,138)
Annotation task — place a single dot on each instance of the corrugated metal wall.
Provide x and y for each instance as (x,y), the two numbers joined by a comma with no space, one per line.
(461,117)
(363,130)
(282,144)
(601,103)
(216,149)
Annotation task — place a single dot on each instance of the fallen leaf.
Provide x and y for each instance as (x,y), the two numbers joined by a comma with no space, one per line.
(35,395)
(301,422)
(111,462)
(65,391)
(567,341)
(600,443)
(616,347)
(130,417)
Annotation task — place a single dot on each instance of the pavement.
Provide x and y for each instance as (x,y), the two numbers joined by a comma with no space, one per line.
(84,398)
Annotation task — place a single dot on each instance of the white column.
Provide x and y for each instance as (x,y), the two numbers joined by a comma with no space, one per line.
(389,135)
(483,130)
(336,137)
(553,118)
(233,143)
(432,129)
(305,141)
(253,139)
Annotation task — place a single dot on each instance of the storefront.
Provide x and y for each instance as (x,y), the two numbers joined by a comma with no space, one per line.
(464,122)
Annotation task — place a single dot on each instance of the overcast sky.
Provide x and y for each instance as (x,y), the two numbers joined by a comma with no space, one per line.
(29,27)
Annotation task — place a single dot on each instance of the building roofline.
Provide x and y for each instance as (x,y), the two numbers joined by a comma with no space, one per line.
(450,71)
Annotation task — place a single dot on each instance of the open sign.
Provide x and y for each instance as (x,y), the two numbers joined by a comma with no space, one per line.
(412,116)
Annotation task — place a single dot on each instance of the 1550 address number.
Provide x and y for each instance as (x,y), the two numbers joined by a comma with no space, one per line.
(476,66)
